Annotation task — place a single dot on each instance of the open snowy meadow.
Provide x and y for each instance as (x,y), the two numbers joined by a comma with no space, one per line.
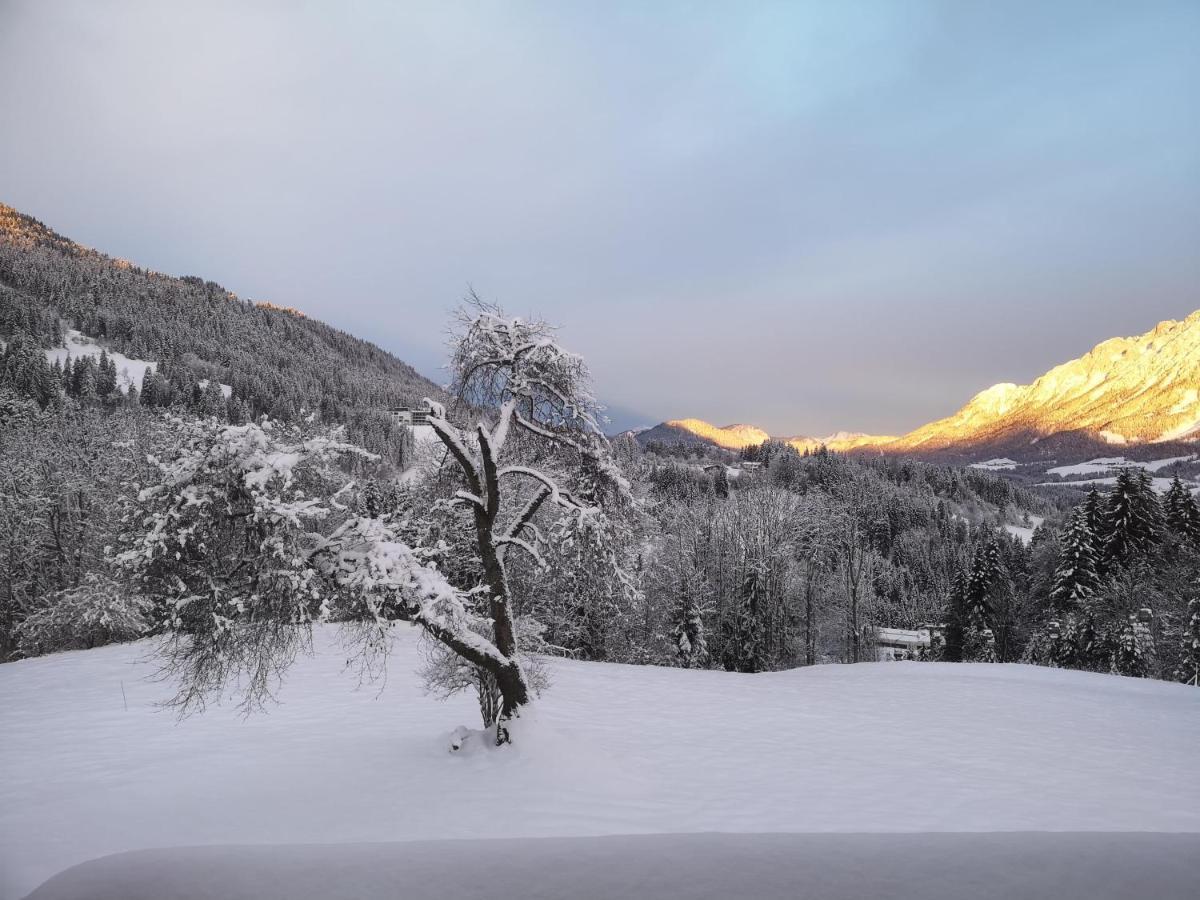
(91,766)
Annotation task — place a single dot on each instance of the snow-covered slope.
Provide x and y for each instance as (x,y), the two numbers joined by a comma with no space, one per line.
(89,766)
(697,431)
(840,441)
(739,436)
(130,372)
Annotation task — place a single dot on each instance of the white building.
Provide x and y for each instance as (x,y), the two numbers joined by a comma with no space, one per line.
(900,643)
(405,415)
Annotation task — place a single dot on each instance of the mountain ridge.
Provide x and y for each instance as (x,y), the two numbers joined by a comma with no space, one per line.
(1125,391)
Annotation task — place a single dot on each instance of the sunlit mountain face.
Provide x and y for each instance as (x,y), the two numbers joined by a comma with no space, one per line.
(697,431)
(1126,391)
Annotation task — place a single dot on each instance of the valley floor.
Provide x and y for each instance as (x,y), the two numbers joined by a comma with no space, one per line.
(89,765)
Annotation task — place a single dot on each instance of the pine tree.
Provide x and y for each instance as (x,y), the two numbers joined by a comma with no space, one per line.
(149,394)
(984,574)
(1077,577)
(1127,657)
(689,638)
(106,375)
(84,380)
(744,647)
(1089,650)
(1189,662)
(1062,652)
(1131,518)
(956,619)
(212,401)
(1093,510)
(1180,511)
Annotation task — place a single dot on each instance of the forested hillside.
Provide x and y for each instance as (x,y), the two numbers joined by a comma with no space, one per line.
(276,361)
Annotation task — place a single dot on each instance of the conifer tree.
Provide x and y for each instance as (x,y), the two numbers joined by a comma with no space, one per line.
(1076,578)
(106,375)
(84,380)
(688,635)
(744,647)
(1181,513)
(1189,662)
(1131,518)
(1062,652)
(984,574)
(956,619)
(1127,657)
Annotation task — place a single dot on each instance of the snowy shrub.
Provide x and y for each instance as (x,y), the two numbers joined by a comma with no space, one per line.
(224,542)
(98,611)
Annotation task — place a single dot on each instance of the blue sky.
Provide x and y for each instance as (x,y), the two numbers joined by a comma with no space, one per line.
(809,216)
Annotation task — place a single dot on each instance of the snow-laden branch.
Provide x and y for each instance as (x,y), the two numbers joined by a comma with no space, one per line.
(505,542)
(452,438)
(500,434)
(364,556)
(559,496)
(525,518)
(468,497)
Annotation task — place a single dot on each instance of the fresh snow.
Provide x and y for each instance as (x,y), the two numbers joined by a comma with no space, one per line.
(1160,485)
(1024,533)
(1107,463)
(226,390)
(995,465)
(130,372)
(90,766)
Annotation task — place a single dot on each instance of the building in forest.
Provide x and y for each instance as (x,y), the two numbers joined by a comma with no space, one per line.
(890,644)
(406,415)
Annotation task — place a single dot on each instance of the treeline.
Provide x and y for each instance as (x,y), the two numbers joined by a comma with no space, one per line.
(797,561)
(1123,596)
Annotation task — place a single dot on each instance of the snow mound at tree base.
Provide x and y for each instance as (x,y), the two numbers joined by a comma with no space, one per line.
(996,866)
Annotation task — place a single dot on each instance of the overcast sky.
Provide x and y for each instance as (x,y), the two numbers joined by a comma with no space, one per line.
(808,216)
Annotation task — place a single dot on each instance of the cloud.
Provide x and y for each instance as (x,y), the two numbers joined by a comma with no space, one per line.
(809,216)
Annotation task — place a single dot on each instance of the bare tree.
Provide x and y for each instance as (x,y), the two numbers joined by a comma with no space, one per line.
(515,366)
(248,539)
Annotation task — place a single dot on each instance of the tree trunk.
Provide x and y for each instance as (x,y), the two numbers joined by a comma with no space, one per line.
(510,679)
(810,636)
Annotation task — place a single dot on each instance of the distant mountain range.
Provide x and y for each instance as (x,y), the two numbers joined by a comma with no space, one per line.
(1125,391)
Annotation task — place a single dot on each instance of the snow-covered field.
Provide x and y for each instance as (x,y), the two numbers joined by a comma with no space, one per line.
(1158,485)
(130,372)
(89,766)
(1001,464)
(1024,533)
(1107,464)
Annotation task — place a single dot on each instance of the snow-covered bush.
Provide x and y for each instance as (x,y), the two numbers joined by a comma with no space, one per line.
(95,612)
(223,542)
